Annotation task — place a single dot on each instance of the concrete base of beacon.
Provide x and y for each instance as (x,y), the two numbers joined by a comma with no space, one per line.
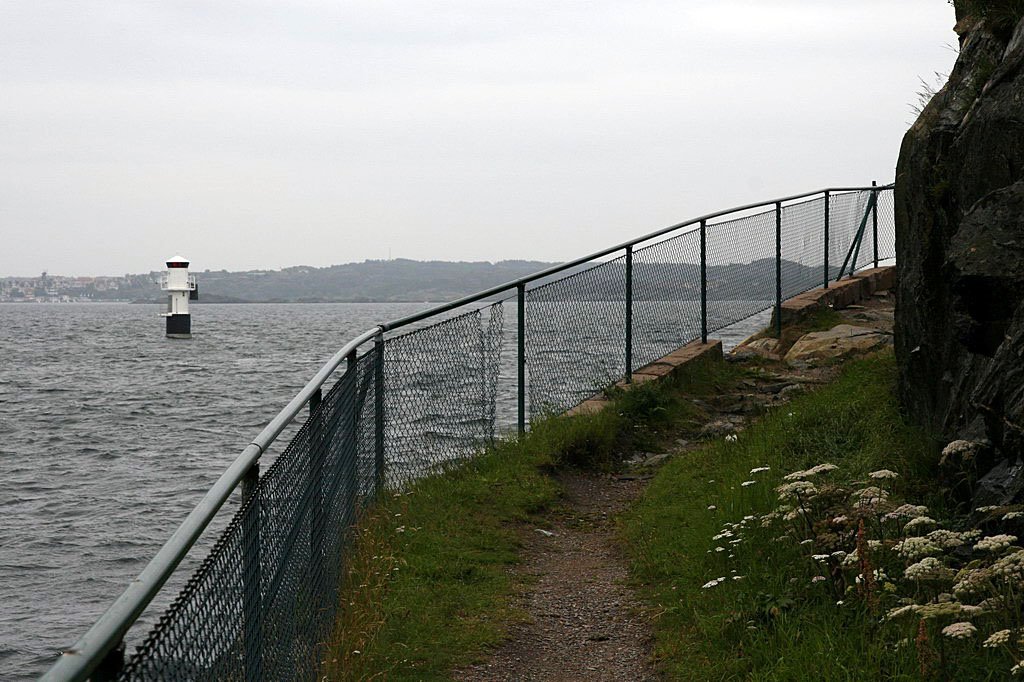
(179,326)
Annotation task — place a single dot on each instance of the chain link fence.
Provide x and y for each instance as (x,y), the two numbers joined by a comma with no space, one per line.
(262,605)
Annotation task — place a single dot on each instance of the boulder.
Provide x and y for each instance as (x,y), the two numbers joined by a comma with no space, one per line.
(842,341)
(959,210)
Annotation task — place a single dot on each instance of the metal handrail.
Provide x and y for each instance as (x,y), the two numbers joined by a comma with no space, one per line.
(108,632)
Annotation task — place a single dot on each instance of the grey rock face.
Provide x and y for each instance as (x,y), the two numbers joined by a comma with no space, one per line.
(960,247)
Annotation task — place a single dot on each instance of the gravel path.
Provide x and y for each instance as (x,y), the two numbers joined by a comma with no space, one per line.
(584,622)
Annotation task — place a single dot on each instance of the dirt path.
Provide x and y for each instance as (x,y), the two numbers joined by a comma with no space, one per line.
(584,622)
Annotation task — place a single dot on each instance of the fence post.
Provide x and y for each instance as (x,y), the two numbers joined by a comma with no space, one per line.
(378,413)
(521,357)
(827,211)
(874,219)
(704,281)
(778,268)
(252,606)
(629,314)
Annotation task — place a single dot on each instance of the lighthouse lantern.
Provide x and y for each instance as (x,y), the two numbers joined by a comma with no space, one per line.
(180,287)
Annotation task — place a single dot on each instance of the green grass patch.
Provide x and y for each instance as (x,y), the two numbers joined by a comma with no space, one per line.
(428,585)
(770,623)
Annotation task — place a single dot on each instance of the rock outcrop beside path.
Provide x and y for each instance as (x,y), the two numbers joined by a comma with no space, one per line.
(960,245)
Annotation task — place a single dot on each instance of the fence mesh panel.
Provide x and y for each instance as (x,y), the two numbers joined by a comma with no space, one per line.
(803,246)
(575,338)
(666,297)
(263,602)
(741,268)
(440,387)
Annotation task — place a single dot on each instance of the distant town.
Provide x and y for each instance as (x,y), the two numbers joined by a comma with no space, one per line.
(59,289)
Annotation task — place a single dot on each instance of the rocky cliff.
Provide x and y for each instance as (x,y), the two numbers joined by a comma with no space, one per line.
(960,243)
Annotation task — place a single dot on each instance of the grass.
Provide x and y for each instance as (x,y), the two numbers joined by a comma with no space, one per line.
(428,585)
(763,626)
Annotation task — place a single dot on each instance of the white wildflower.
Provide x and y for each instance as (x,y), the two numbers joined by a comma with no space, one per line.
(820,557)
(906,511)
(796,489)
(747,484)
(995,543)
(712,507)
(918,524)
(839,520)
(1010,516)
(962,630)
(1010,567)
(807,541)
(731,438)
(987,509)
(719,549)
(928,568)
(971,581)
(712,583)
(946,539)
(757,470)
(914,548)
(818,578)
(883,474)
(813,471)
(997,638)
(1017,669)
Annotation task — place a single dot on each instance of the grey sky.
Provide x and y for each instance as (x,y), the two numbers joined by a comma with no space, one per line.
(268,134)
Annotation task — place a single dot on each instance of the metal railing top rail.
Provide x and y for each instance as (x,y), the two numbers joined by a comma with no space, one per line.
(107,633)
(547,272)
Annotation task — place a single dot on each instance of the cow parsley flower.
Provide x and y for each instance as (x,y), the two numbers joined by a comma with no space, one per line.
(796,489)
(914,548)
(928,568)
(1010,567)
(918,524)
(813,471)
(997,638)
(757,470)
(883,475)
(1010,516)
(747,484)
(995,543)
(946,539)
(906,511)
(961,630)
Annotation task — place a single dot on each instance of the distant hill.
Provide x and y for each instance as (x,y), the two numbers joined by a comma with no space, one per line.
(373,280)
(418,281)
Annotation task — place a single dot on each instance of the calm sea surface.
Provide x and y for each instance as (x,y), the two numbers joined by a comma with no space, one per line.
(110,433)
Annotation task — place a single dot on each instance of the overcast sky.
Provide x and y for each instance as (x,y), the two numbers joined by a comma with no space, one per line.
(313,132)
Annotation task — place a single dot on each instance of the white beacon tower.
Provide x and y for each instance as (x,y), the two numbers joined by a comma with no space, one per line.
(180,287)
